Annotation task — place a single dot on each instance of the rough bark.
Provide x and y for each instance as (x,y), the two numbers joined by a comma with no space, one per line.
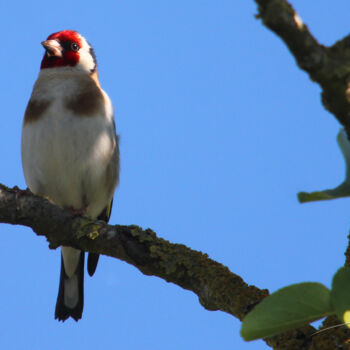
(215,285)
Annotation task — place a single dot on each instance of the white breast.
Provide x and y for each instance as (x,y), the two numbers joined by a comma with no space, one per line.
(64,156)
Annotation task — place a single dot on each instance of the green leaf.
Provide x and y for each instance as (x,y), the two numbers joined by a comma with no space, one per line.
(286,309)
(343,190)
(340,293)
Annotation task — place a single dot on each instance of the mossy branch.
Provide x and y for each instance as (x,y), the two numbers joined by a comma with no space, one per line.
(215,285)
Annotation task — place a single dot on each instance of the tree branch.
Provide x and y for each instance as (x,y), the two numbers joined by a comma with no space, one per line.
(328,66)
(216,287)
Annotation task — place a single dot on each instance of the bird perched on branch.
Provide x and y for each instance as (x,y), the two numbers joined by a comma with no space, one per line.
(70,151)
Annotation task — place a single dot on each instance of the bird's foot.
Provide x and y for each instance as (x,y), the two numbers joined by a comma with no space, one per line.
(88,228)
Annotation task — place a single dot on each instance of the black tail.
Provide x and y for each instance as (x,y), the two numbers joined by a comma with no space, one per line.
(70,299)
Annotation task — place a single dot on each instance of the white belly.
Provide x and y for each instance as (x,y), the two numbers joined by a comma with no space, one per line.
(65,158)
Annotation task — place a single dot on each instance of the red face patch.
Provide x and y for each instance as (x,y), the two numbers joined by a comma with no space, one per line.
(69,57)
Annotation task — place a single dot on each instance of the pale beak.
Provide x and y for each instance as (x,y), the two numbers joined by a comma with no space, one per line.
(52,47)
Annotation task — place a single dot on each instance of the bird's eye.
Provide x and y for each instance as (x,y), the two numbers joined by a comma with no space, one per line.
(74,47)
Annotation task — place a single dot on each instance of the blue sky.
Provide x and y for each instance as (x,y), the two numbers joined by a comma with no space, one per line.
(219,131)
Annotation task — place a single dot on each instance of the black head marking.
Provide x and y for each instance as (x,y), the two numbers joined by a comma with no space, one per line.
(68,45)
(92,53)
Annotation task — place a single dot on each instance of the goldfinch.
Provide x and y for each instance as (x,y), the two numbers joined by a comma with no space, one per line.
(70,151)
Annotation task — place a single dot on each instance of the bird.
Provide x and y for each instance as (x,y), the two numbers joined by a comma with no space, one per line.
(70,150)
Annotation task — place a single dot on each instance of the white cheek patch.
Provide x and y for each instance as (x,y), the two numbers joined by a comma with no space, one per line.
(87,60)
